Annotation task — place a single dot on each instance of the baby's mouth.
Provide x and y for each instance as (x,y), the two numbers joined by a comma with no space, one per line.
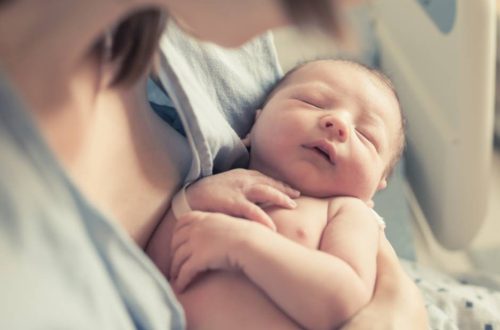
(324,149)
(322,153)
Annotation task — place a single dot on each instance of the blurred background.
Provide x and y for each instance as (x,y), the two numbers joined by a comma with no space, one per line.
(408,227)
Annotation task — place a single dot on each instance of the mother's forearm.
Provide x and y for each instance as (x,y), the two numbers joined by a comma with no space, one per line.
(397,302)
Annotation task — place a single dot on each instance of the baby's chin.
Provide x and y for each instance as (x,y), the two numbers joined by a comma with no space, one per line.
(304,179)
(323,190)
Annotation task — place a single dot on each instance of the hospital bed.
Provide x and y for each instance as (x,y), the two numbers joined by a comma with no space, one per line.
(441,57)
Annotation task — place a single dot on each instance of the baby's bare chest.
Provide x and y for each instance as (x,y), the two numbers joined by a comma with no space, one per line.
(305,223)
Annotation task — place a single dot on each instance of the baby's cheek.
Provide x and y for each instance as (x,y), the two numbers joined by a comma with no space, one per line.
(361,179)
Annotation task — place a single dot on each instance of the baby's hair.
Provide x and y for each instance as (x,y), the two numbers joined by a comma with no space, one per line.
(379,75)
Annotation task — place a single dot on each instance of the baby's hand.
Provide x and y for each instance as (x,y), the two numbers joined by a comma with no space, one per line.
(238,193)
(204,241)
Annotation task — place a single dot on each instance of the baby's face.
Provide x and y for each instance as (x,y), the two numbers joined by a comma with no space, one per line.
(330,130)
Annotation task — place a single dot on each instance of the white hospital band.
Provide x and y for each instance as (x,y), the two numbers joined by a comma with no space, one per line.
(180,206)
(380,220)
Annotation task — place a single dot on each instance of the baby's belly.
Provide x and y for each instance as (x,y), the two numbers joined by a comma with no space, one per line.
(224,300)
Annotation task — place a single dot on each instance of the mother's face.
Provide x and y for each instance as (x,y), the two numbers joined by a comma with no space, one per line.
(230,23)
(227,22)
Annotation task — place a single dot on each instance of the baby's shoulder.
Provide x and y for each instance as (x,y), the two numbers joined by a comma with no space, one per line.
(355,208)
(336,205)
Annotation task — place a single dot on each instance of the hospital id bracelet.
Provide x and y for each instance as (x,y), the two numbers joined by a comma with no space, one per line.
(180,204)
(379,219)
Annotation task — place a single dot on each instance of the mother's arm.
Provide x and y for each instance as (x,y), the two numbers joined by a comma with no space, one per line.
(396,304)
(238,193)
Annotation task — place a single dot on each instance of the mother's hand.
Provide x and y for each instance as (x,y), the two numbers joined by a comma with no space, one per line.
(396,304)
(240,193)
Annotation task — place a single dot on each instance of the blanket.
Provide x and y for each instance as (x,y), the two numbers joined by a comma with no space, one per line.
(468,301)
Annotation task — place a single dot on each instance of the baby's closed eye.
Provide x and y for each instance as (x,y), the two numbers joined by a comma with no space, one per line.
(314,98)
(367,137)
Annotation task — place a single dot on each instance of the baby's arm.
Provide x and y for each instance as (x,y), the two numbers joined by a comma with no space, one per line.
(352,234)
(237,192)
(317,289)
(321,289)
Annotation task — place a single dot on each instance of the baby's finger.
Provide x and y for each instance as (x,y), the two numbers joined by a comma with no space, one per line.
(180,236)
(179,257)
(265,194)
(250,211)
(186,219)
(186,275)
(283,187)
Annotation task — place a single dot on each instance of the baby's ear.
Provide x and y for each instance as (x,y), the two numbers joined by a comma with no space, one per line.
(382,184)
(247,138)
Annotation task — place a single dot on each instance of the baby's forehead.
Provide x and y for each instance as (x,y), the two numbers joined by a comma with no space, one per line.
(344,79)
(336,72)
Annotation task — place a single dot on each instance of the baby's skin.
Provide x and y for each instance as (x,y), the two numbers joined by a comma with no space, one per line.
(222,299)
(230,300)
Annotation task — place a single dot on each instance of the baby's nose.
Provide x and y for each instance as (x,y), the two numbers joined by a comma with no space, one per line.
(337,127)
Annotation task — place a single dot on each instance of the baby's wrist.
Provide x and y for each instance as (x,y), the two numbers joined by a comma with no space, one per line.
(247,243)
(195,195)
(180,204)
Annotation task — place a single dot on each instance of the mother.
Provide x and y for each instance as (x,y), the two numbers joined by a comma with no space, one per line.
(83,131)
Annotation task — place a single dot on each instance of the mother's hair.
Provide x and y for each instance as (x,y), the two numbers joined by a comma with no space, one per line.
(132,45)
(134,41)
(135,38)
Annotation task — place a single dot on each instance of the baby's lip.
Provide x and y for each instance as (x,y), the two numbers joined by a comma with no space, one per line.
(324,147)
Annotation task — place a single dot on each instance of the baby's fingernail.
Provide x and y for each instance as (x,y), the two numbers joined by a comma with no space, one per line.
(292,203)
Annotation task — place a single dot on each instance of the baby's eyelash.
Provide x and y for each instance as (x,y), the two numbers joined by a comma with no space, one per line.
(367,138)
(312,103)
(314,99)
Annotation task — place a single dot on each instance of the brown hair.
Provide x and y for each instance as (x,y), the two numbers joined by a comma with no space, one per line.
(133,44)
(136,38)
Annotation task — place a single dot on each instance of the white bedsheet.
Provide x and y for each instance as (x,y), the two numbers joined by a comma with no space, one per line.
(471,301)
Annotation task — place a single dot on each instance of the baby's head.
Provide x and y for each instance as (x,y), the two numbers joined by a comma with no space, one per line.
(329,128)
